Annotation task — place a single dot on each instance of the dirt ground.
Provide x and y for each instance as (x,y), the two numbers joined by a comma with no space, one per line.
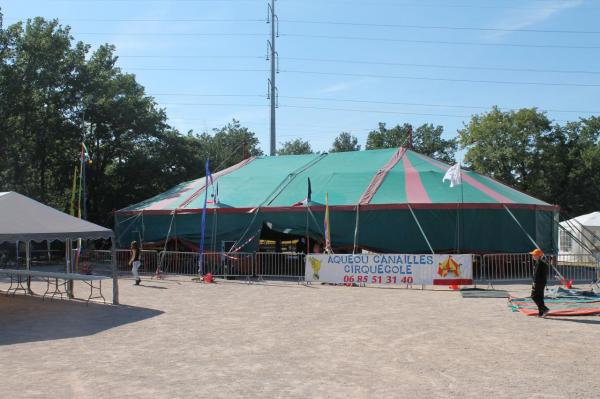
(179,339)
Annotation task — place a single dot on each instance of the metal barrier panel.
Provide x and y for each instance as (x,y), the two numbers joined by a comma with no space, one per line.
(279,265)
(505,267)
(520,267)
(100,261)
(216,263)
(237,264)
(185,263)
(579,268)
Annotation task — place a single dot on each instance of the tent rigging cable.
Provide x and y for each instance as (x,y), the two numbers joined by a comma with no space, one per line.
(532,240)
(420,228)
(162,254)
(575,238)
(357,220)
(585,237)
(276,192)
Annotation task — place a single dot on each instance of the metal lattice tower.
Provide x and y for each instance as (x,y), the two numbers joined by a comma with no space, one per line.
(272,55)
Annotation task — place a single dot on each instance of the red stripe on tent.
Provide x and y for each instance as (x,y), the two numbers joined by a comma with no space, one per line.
(214,179)
(485,189)
(453,281)
(415,191)
(375,183)
(479,186)
(162,204)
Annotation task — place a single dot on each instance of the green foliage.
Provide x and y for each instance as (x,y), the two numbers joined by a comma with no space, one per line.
(295,147)
(52,98)
(345,142)
(426,139)
(558,164)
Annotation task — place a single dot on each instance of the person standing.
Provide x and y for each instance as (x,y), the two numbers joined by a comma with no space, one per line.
(134,261)
(540,278)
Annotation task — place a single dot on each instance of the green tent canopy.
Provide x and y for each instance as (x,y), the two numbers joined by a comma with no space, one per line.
(376,198)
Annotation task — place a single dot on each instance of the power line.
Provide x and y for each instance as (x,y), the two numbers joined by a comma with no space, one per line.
(377,39)
(442,66)
(182,34)
(421,4)
(428,105)
(216,104)
(443,79)
(506,82)
(192,56)
(206,95)
(198,69)
(359,62)
(368,102)
(312,22)
(438,27)
(203,20)
(385,39)
(359,110)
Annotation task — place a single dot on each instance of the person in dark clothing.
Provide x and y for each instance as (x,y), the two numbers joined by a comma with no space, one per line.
(540,278)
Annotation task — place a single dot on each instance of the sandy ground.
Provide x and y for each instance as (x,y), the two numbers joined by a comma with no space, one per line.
(178,339)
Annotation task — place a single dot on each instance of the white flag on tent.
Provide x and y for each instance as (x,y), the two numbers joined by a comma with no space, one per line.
(453,174)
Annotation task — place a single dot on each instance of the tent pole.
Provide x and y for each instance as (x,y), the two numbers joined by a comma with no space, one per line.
(28,264)
(306,234)
(356,228)
(115,274)
(70,269)
(420,228)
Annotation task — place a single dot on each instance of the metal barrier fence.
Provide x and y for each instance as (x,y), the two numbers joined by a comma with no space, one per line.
(489,268)
(279,265)
(518,268)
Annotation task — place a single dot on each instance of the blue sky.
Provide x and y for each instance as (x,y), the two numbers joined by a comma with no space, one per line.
(346,65)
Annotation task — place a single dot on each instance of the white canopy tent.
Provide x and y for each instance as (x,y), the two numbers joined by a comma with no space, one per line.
(26,220)
(580,236)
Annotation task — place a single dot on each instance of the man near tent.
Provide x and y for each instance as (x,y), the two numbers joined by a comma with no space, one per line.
(540,278)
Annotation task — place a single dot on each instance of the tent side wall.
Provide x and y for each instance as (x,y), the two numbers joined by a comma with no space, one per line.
(387,230)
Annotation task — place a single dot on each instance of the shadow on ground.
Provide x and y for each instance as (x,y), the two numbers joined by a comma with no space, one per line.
(29,319)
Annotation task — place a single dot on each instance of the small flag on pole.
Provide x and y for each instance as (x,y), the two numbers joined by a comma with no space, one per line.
(454,175)
(307,200)
(326,225)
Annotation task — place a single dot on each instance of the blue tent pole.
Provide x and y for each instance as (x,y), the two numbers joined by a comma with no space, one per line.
(203,223)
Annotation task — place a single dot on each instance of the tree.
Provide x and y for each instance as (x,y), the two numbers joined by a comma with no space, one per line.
(506,145)
(39,74)
(345,142)
(295,147)
(558,164)
(426,139)
(54,94)
(232,144)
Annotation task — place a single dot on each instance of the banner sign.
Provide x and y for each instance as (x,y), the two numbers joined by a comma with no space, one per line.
(390,269)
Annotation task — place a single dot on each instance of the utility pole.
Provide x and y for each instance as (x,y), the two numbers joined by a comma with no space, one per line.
(272,55)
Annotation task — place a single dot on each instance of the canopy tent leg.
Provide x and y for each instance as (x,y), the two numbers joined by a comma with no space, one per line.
(28,264)
(69,267)
(115,274)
